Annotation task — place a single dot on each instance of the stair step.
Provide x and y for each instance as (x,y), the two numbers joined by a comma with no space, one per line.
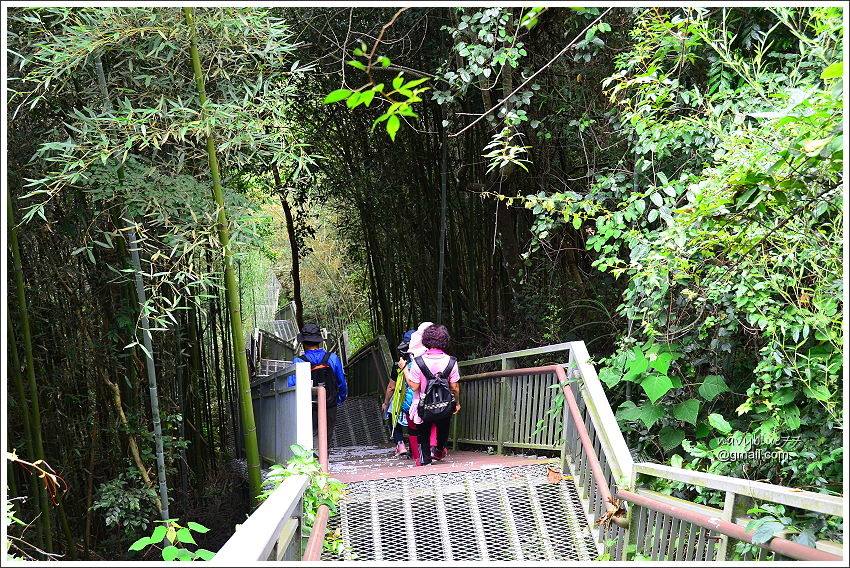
(500,514)
(359,424)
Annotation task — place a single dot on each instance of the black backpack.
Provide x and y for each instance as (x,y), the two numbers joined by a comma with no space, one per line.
(438,401)
(323,375)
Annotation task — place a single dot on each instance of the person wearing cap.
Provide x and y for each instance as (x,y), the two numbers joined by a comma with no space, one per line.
(311,338)
(397,401)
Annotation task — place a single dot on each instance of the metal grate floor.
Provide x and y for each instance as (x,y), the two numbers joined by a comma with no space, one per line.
(496,514)
(358,423)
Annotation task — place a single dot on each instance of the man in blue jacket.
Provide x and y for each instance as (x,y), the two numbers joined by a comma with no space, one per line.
(326,369)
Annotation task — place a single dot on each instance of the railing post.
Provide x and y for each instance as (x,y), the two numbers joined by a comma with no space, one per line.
(503,413)
(566,417)
(504,407)
(631,536)
(733,507)
(454,432)
(566,443)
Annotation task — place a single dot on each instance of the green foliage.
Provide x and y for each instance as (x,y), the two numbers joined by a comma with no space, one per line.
(487,47)
(177,536)
(10,519)
(125,503)
(774,521)
(128,142)
(401,96)
(728,232)
(323,490)
(556,410)
(503,151)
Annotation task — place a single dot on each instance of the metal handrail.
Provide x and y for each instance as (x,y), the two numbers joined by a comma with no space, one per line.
(587,445)
(313,550)
(363,351)
(776,544)
(556,348)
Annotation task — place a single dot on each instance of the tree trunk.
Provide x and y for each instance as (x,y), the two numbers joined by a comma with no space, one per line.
(252,452)
(293,247)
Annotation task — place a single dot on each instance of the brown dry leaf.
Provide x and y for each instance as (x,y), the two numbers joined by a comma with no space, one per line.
(553,475)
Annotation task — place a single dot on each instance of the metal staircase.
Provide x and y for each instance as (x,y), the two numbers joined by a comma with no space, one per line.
(359,424)
(501,514)
(519,513)
(595,502)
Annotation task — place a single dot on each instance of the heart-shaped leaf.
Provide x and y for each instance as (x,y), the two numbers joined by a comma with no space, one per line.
(687,411)
(656,386)
(719,423)
(670,437)
(712,386)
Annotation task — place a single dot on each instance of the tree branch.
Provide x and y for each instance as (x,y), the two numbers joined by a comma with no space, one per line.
(536,73)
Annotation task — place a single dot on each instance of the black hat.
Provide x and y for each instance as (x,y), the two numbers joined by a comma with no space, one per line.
(405,342)
(310,333)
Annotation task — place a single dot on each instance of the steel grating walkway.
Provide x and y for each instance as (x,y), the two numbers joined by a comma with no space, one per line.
(358,423)
(496,514)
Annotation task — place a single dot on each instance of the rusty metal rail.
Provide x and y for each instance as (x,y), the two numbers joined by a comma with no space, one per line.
(578,421)
(776,544)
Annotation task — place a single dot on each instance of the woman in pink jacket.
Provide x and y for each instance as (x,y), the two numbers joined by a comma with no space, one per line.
(435,339)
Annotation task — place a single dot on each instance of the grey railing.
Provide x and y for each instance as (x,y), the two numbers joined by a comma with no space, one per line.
(367,370)
(499,410)
(515,409)
(510,360)
(283,414)
(662,527)
(273,531)
(674,529)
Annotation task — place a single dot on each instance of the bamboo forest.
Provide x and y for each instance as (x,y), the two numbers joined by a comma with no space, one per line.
(624,226)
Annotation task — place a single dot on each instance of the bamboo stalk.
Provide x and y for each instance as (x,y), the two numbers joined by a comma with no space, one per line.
(252,452)
(131,440)
(26,335)
(129,232)
(15,364)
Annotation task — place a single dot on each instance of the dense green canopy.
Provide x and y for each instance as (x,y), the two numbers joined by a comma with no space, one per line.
(665,184)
